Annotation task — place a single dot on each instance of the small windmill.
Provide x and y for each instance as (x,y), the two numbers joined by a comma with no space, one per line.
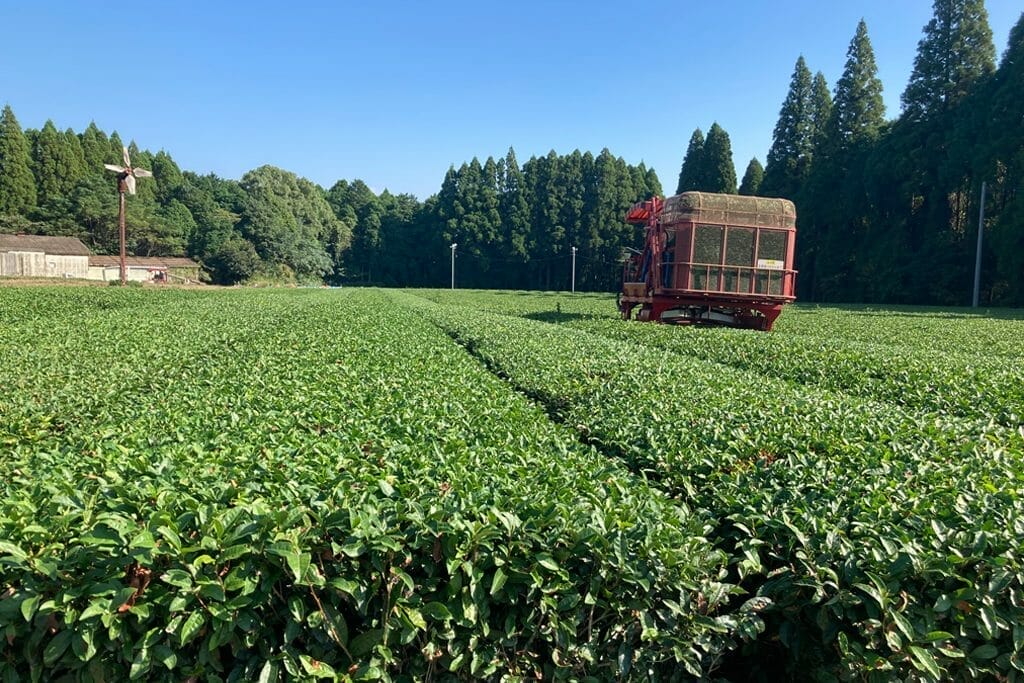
(126,176)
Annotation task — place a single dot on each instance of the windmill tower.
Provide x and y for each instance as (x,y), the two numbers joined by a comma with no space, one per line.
(126,176)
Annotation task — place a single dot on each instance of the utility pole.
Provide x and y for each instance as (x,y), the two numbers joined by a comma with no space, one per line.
(121,189)
(573,269)
(454,245)
(977,256)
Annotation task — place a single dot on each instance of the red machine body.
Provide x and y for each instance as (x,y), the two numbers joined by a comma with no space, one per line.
(711,259)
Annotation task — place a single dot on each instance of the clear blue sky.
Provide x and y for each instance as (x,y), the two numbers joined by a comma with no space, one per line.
(394,93)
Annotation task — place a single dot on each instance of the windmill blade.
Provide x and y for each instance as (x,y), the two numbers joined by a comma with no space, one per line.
(112,167)
(127,159)
(142,173)
(129,182)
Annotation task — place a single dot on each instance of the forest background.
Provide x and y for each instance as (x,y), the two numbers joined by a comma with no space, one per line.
(888,207)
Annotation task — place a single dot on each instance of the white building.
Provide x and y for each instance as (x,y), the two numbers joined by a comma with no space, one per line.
(43,256)
(144,268)
(67,257)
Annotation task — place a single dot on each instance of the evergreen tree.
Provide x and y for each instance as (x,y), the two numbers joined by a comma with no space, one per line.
(56,166)
(142,158)
(478,222)
(405,244)
(752,178)
(214,223)
(693,162)
(652,184)
(572,174)
(115,150)
(821,112)
(47,163)
(789,158)
(858,112)
(542,176)
(954,60)
(356,205)
(1002,162)
(170,229)
(638,179)
(832,220)
(93,207)
(954,53)
(95,147)
(514,207)
(489,206)
(444,207)
(469,228)
(17,186)
(717,172)
(77,168)
(167,175)
(337,197)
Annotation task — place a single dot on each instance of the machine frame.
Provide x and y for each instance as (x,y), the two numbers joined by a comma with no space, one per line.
(689,273)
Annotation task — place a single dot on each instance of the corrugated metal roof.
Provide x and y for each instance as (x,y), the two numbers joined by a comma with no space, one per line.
(58,246)
(144,261)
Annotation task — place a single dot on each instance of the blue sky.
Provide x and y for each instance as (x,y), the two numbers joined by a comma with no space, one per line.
(394,93)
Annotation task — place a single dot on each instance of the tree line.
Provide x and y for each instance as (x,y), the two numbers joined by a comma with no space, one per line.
(514,224)
(887,209)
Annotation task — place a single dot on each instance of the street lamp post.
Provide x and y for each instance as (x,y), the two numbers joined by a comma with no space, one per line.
(977,254)
(454,245)
(574,269)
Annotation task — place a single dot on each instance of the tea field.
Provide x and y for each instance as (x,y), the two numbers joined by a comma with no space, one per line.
(371,484)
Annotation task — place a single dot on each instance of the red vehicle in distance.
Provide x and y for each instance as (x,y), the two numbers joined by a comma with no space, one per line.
(712,259)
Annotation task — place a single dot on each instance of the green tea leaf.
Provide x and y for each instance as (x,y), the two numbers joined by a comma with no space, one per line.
(437,611)
(191,626)
(56,648)
(547,561)
(923,661)
(500,577)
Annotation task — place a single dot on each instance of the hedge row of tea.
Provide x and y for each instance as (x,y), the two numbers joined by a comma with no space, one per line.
(887,538)
(291,485)
(352,484)
(945,363)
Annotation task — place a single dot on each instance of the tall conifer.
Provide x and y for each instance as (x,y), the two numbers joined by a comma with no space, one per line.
(858,111)
(55,163)
(793,139)
(752,178)
(515,207)
(1006,153)
(689,174)
(821,111)
(718,173)
(95,148)
(833,223)
(17,186)
(77,155)
(954,53)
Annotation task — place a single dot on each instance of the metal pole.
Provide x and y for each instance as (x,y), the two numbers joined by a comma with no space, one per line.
(977,256)
(120,225)
(574,269)
(453,264)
